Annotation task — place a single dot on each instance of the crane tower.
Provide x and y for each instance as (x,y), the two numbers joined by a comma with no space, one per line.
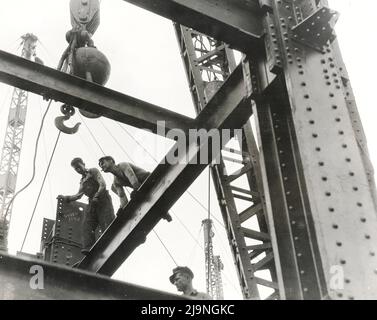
(10,155)
(213,264)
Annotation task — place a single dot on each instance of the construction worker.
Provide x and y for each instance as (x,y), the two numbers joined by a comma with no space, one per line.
(182,279)
(100,211)
(125,175)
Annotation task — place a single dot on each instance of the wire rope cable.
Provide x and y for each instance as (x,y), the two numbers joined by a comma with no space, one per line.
(41,189)
(34,162)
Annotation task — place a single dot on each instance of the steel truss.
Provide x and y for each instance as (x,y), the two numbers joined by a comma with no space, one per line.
(314,167)
(11,150)
(213,264)
(208,63)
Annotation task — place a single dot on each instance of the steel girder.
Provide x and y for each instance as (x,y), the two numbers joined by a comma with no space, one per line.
(236,22)
(58,282)
(227,110)
(86,95)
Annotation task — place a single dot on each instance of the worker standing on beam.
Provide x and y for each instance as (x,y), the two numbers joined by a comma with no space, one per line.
(182,279)
(100,211)
(125,174)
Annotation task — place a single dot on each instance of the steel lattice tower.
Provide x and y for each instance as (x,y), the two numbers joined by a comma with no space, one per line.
(219,281)
(208,64)
(213,264)
(10,156)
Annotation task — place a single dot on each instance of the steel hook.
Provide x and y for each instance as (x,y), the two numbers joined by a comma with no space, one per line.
(68,111)
(59,123)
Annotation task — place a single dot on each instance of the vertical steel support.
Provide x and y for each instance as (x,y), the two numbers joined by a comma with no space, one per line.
(61,239)
(208,62)
(320,201)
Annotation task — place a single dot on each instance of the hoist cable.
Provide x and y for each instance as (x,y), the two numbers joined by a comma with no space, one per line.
(193,250)
(34,161)
(116,141)
(167,250)
(92,135)
(46,160)
(40,190)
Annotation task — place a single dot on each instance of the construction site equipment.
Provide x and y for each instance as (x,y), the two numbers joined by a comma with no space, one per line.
(12,146)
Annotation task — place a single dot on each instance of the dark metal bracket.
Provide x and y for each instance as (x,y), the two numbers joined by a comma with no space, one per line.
(317,29)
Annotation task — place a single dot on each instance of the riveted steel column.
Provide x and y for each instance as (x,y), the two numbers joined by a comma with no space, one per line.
(322,209)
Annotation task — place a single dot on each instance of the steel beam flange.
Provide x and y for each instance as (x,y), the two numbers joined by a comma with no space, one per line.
(237,23)
(31,279)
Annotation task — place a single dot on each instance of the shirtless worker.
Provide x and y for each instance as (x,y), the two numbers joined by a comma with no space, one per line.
(125,175)
(100,211)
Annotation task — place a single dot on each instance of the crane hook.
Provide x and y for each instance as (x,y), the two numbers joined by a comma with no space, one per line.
(68,111)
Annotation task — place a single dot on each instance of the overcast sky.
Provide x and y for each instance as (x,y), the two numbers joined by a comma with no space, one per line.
(146,64)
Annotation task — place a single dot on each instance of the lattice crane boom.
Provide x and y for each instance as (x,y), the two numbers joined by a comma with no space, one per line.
(213,264)
(11,151)
(208,63)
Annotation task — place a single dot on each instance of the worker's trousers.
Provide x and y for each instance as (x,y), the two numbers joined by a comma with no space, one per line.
(98,214)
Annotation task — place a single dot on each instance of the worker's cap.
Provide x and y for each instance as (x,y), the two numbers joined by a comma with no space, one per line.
(176,270)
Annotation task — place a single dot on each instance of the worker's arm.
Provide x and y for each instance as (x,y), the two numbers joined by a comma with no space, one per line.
(118,189)
(96,174)
(130,174)
(75,197)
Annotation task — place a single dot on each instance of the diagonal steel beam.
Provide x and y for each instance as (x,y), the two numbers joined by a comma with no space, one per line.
(39,79)
(229,108)
(238,23)
(64,283)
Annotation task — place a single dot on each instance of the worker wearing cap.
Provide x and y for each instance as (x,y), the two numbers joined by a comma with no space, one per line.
(182,279)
